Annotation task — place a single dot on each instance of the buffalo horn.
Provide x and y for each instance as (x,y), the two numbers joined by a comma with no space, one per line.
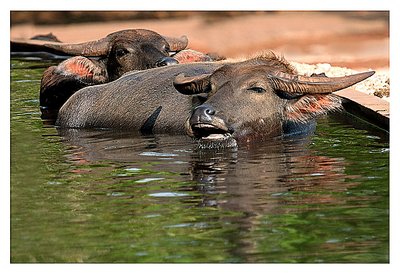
(91,48)
(192,85)
(176,44)
(314,85)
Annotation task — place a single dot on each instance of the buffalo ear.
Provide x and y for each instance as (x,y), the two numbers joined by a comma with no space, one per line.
(82,69)
(307,107)
(60,82)
(192,85)
(177,44)
(191,56)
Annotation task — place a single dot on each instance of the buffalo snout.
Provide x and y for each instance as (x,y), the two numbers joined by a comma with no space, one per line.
(202,114)
(209,129)
(205,123)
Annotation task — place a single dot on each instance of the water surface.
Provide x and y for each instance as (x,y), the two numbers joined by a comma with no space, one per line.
(104,196)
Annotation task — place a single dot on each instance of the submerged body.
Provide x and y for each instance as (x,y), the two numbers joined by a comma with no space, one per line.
(142,100)
(217,103)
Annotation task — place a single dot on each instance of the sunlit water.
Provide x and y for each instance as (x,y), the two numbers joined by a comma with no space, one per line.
(102,196)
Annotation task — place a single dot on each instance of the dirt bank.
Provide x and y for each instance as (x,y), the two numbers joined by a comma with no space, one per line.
(358,40)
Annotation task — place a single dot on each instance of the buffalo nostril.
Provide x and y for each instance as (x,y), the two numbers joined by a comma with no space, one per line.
(202,114)
(166,61)
(210,111)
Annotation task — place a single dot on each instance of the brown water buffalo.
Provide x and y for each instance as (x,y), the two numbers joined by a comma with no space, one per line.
(125,50)
(142,100)
(229,102)
(116,54)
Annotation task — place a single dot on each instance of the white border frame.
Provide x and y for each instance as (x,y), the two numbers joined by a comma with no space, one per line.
(5,265)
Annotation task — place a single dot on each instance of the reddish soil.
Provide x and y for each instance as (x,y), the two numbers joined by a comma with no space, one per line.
(357,40)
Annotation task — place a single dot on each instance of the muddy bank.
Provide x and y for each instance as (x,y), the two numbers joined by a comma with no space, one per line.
(347,39)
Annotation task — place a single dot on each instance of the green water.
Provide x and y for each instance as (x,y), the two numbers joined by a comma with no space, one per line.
(101,196)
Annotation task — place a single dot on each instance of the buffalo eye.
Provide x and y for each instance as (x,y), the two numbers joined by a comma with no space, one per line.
(121,52)
(257,89)
(166,48)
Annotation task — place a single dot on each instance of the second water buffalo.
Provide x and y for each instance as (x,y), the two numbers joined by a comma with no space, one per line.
(99,61)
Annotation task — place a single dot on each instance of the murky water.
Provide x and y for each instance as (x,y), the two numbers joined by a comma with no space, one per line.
(103,196)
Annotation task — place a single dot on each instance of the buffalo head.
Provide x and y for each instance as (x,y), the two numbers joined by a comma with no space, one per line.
(123,51)
(256,98)
(116,54)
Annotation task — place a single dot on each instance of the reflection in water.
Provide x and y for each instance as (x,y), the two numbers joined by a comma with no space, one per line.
(246,175)
(278,167)
(259,183)
(283,177)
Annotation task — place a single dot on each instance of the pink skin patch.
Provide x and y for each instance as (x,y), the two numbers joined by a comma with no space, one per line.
(310,106)
(191,56)
(79,66)
(84,69)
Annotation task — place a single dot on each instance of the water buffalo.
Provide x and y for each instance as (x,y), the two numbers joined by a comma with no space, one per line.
(125,50)
(142,100)
(228,102)
(117,53)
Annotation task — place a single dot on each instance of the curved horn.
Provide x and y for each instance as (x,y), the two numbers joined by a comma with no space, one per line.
(192,85)
(314,85)
(177,44)
(92,48)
